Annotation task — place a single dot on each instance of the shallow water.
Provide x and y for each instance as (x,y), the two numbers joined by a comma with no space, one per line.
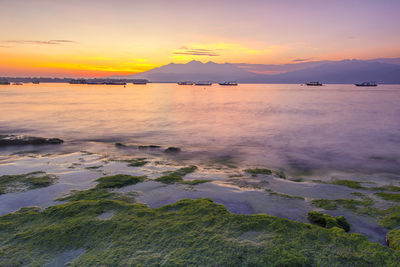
(324,130)
(315,133)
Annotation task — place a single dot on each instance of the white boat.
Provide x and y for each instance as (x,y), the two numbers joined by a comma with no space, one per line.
(229,83)
(186,83)
(203,83)
(367,84)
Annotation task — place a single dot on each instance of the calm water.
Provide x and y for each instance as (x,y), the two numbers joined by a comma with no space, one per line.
(303,130)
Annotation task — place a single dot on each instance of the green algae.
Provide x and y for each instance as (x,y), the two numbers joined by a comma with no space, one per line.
(177,175)
(389,196)
(187,233)
(392,188)
(93,167)
(272,192)
(23,182)
(390,218)
(348,183)
(98,194)
(351,204)
(328,221)
(281,174)
(195,182)
(119,180)
(393,239)
(138,162)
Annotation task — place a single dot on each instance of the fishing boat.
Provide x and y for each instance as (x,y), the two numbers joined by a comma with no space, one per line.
(367,84)
(78,81)
(35,82)
(229,83)
(115,83)
(140,81)
(4,82)
(203,83)
(314,84)
(17,83)
(186,83)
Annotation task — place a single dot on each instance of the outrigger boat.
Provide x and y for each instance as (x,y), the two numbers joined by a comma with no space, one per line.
(367,84)
(186,83)
(314,84)
(229,83)
(203,83)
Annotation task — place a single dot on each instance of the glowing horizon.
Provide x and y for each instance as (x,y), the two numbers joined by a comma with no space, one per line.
(103,38)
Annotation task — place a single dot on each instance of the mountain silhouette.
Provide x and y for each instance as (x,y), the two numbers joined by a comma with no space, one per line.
(382,70)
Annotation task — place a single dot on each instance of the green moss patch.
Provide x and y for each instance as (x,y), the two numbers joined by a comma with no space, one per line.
(24,182)
(177,176)
(392,188)
(187,233)
(98,194)
(389,196)
(195,182)
(348,183)
(393,239)
(328,221)
(390,218)
(272,192)
(119,180)
(351,204)
(138,162)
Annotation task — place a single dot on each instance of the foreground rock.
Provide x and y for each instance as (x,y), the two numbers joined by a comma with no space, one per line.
(187,233)
(18,140)
(172,150)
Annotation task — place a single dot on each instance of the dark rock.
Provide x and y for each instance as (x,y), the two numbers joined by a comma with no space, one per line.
(149,147)
(172,150)
(18,140)
(328,221)
(120,145)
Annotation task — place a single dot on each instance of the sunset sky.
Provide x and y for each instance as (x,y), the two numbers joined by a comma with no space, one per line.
(98,38)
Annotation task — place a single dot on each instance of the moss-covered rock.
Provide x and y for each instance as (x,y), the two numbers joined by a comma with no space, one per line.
(24,182)
(348,183)
(177,176)
(393,239)
(328,221)
(389,196)
(19,140)
(119,180)
(187,233)
(138,162)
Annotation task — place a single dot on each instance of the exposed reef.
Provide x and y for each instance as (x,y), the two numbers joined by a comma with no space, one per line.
(187,233)
(19,140)
(23,182)
(328,221)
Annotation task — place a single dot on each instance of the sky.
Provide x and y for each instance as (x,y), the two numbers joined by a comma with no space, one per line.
(96,38)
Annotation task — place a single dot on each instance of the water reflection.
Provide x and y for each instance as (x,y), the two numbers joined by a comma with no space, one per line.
(299,129)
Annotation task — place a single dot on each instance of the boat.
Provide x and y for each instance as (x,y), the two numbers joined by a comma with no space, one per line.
(140,81)
(229,83)
(203,83)
(115,83)
(186,83)
(17,83)
(35,82)
(367,84)
(314,84)
(94,83)
(78,81)
(4,82)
